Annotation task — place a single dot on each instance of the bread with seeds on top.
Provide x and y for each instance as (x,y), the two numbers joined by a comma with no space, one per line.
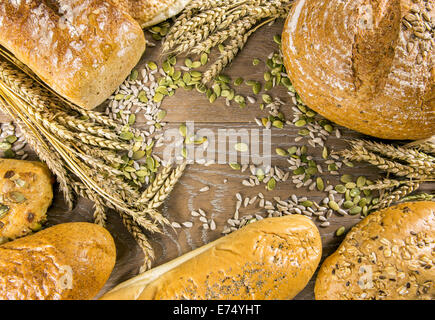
(390,255)
(365,64)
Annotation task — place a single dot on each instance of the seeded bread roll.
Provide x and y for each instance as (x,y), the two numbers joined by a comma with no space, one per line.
(70,261)
(26,192)
(82,49)
(270,259)
(388,255)
(365,64)
(150,12)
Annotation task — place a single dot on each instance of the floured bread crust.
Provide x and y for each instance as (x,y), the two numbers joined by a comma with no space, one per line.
(83,49)
(151,12)
(364,65)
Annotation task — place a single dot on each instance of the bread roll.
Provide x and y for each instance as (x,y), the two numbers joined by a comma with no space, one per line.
(26,192)
(365,64)
(388,255)
(82,49)
(67,261)
(151,12)
(270,259)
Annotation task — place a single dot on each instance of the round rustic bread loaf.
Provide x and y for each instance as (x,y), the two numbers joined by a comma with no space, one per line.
(388,255)
(365,64)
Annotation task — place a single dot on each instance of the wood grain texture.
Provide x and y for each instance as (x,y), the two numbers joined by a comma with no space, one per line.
(219,203)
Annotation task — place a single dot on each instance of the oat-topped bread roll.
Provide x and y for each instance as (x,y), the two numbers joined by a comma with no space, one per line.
(365,64)
(389,255)
(83,49)
(151,12)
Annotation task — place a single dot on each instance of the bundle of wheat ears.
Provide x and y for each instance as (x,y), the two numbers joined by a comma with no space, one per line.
(227,24)
(407,167)
(83,149)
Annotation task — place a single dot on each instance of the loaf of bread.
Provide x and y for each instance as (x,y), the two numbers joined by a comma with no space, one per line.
(388,255)
(366,65)
(68,261)
(151,12)
(270,259)
(26,192)
(82,49)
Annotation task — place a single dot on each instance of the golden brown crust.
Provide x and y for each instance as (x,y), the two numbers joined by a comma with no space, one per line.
(357,64)
(26,193)
(388,255)
(67,261)
(151,12)
(270,259)
(83,49)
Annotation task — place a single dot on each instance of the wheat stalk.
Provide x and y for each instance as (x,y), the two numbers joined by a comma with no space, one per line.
(396,195)
(360,153)
(206,24)
(81,153)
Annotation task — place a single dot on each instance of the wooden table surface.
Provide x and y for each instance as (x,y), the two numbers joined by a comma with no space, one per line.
(219,203)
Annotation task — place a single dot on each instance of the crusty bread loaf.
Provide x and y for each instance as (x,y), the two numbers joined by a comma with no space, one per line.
(26,192)
(151,12)
(388,255)
(365,64)
(67,261)
(270,259)
(83,49)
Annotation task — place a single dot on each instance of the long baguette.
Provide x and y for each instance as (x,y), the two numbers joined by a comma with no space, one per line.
(270,259)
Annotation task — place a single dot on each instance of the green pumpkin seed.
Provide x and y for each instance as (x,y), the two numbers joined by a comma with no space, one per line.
(320,184)
(158,97)
(241,147)
(16,197)
(333,205)
(5,145)
(131,119)
(238,81)
(277,39)
(11,139)
(325,153)
(300,123)
(348,204)
(271,184)
(307,203)
(268,85)
(3,210)
(340,231)
(355,210)
(267,99)
(255,62)
(138,155)
(204,58)
(350,185)
(354,192)
(188,63)
(361,181)
(340,188)
(152,65)
(278,124)
(126,135)
(183,130)
(281,152)
(345,178)
(256,88)
(235,166)
(292,150)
